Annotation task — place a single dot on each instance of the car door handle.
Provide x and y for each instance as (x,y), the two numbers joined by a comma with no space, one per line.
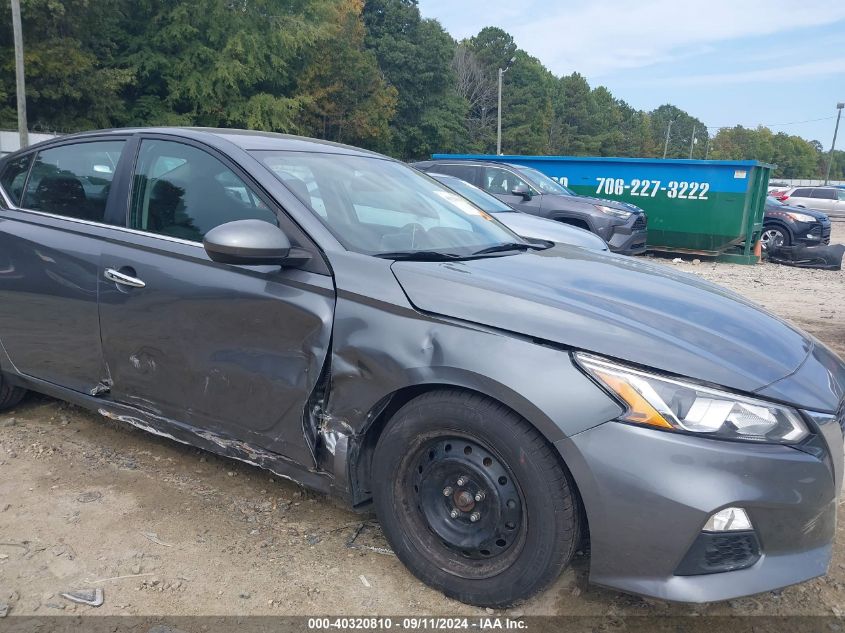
(124,280)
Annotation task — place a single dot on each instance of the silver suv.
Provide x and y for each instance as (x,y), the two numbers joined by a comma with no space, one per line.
(831,200)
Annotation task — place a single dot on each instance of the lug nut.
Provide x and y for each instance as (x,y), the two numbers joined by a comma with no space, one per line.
(454,514)
(474,517)
(479,496)
(448,490)
(462,480)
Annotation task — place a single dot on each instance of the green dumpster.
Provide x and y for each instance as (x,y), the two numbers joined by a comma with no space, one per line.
(706,207)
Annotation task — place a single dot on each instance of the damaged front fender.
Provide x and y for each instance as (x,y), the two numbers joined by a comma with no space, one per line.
(382,347)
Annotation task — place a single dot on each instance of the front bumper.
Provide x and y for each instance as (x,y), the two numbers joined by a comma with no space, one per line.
(648,493)
(629,238)
(812,233)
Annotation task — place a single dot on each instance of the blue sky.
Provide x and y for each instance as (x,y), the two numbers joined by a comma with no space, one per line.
(727,62)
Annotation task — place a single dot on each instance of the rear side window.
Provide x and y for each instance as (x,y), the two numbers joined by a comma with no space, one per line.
(825,194)
(73,180)
(464,172)
(182,191)
(14,177)
(801,193)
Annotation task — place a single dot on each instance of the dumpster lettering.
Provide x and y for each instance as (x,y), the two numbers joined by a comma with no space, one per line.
(682,190)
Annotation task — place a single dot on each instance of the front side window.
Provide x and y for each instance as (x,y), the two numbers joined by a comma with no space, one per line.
(377,206)
(73,180)
(545,184)
(14,176)
(824,194)
(501,182)
(182,191)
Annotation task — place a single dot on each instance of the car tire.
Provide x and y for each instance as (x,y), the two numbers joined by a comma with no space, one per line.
(9,395)
(450,451)
(775,234)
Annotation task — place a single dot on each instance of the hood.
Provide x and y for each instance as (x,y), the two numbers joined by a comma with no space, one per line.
(615,306)
(787,208)
(535,228)
(613,204)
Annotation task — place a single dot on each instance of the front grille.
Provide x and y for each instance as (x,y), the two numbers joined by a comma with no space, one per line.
(640,222)
(822,231)
(713,552)
(729,551)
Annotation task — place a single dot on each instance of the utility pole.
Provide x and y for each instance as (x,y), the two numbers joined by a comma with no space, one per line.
(668,132)
(20,84)
(692,141)
(502,71)
(839,107)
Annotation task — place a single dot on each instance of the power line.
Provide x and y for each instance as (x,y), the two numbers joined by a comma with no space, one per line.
(727,127)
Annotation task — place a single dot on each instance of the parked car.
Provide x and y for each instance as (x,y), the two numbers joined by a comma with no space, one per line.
(342,320)
(831,200)
(523,224)
(785,225)
(623,226)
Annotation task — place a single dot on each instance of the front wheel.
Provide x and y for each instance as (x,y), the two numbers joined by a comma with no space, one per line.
(774,236)
(473,500)
(9,395)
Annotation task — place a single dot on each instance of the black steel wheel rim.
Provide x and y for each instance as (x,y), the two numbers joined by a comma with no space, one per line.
(467,498)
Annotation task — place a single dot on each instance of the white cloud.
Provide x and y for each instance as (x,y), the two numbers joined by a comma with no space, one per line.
(597,38)
(819,68)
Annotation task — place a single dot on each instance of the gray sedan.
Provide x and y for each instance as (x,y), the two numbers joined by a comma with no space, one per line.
(340,319)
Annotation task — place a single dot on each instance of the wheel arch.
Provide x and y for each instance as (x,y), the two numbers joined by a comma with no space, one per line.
(778,223)
(581,223)
(382,412)
(386,408)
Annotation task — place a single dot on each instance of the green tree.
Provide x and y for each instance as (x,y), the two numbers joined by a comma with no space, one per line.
(794,157)
(683,126)
(221,62)
(347,99)
(415,56)
(74,79)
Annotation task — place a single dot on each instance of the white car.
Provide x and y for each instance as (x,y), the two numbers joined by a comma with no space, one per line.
(831,200)
(523,224)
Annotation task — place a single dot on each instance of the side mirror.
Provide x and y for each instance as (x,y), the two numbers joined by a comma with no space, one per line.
(521,190)
(247,243)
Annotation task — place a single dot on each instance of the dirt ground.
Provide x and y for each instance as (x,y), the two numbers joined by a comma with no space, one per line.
(165,529)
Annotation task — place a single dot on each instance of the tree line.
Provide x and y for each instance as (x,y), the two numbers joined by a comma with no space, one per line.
(370,73)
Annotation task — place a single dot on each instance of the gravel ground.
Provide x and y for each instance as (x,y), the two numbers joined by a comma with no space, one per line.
(167,529)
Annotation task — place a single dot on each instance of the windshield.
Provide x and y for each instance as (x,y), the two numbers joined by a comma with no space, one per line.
(479,198)
(543,182)
(381,207)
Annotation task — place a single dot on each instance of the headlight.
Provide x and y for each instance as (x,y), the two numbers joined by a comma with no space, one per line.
(619,213)
(683,406)
(801,217)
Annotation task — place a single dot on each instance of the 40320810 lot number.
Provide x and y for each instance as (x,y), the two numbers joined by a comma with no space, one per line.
(679,189)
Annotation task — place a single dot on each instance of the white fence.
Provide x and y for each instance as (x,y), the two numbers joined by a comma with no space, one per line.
(10,140)
(801,182)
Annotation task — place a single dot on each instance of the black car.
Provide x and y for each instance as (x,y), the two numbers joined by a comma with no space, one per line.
(622,225)
(785,225)
(342,320)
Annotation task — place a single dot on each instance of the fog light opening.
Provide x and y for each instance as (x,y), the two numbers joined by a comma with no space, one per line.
(728,520)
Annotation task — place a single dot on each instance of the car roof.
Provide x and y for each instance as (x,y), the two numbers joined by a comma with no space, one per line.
(245,139)
(467,161)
